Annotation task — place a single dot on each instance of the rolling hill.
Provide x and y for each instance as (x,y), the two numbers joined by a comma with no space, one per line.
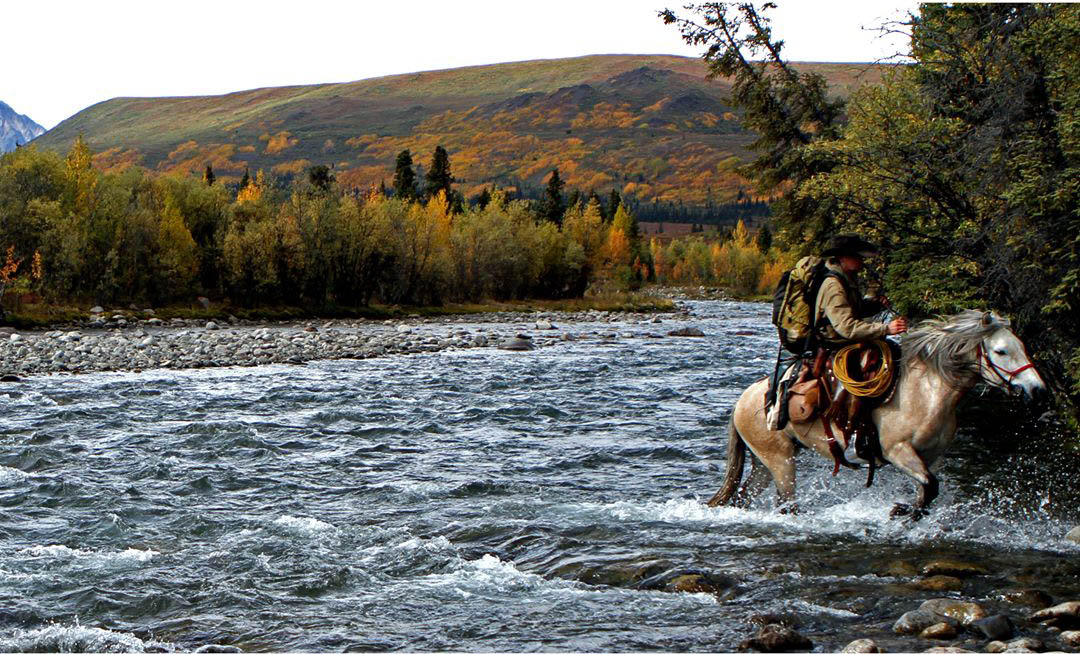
(651,126)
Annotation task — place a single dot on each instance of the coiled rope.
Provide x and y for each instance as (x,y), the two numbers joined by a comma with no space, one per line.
(876,385)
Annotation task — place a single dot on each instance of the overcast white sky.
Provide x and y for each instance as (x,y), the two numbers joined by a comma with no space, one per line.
(61,56)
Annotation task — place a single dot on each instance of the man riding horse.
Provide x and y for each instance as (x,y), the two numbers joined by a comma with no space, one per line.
(839,309)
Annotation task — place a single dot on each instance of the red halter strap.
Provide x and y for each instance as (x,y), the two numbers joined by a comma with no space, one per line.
(998,370)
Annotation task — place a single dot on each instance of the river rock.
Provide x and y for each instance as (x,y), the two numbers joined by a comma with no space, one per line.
(949,649)
(777,638)
(861,646)
(963,612)
(211,325)
(9,378)
(938,583)
(913,622)
(1070,638)
(995,627)
(686,331)
(544,324)
(1064,616)
(218,649)
(939,631)
(1025,645)
(953,569)
(1073,536)
(517,344)
(1036,599)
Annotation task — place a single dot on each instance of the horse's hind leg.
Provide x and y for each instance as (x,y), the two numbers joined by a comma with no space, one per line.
(754,484)
(904,456)
(730,491)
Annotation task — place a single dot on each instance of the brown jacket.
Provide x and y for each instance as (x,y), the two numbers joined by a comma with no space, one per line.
(840,313)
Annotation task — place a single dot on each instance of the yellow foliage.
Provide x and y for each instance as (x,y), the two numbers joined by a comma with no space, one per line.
(291,167)
(279,142)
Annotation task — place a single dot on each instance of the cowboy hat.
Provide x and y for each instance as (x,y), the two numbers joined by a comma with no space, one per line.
(849,244)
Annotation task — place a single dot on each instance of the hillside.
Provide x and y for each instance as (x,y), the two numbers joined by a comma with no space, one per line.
(652,127)
(16,129)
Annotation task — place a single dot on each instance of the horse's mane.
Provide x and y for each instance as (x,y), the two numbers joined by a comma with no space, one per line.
(946,345)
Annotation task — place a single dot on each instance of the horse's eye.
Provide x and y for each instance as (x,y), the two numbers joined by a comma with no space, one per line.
(1002,351)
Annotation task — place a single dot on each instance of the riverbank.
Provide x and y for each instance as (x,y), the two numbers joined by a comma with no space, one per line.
(123,342)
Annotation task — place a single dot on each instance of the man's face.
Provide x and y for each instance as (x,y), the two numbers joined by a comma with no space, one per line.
(851,263)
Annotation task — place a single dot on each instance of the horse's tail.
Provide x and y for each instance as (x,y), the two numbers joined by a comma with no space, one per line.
(736,456)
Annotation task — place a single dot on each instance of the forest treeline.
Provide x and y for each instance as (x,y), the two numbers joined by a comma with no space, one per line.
(964,164)
(74,234)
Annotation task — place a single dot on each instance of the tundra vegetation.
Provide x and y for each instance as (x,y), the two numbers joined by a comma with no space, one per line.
(963,163)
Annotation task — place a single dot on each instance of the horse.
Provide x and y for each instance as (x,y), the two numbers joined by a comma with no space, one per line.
(942,359)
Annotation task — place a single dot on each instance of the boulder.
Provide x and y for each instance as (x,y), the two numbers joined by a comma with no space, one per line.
(952,569)
(1070,638)
(861,646)
(9,378)
(939,583)
(995,627)
(777,638)
(1073,536)
(517,344)
(913,622)
(686,331)
(939,631)
(1025,645)
(1064,616)
(963,612)
(211,325)
(544,324)
(1032,597)
(97,309)
(204,301)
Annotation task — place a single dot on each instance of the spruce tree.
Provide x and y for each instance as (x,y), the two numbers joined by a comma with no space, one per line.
(208,175)
(404,177)
(438,177)
(553,206)
(614,201)
(245,180)
(484,199)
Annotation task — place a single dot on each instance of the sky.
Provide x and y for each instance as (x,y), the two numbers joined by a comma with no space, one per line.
(61,56)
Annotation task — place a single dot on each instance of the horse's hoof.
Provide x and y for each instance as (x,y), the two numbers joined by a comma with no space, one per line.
(900,510)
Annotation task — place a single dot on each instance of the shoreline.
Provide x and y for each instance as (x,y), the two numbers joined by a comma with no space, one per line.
(118,344)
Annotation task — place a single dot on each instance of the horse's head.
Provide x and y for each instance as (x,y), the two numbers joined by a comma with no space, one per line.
(1004,363)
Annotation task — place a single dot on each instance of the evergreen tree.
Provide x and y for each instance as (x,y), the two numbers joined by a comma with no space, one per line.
(404,177)
(614,202)
(438,177)
(208,175)
(245,180)
(764,238)
(483,199)
(553,207)
(320,177)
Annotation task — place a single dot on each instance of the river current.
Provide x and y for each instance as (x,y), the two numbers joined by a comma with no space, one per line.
(475,500)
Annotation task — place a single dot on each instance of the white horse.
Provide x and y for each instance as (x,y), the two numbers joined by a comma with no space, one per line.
(942,360)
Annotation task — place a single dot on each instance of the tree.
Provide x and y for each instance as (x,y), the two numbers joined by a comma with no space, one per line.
(788,110)
(553,206)
(208,175)
(764,238)
(438,177)
(321,178)
(614,202)
(404,177)
(245,180)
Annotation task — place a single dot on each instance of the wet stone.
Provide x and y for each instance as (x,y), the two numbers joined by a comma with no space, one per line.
(1070,638)
(776,638)
(914,622)
(963,612)
(1028,597)
(939,631)
(901,569)
(686,331)
(995,627)
(1025,645)
(996,646)
(948,568)
(861,646)
(1074,535)
(1064,616)
(938,583)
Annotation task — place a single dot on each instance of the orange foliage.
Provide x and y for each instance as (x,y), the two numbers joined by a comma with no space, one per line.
(291,167)
(116,160)
(279,142)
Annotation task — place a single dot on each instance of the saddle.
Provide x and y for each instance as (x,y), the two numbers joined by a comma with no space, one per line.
(814,390)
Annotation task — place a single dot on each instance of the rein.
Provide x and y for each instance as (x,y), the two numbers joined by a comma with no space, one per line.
(981,355)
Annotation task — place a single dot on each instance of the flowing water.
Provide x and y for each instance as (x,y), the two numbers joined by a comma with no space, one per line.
(474,500)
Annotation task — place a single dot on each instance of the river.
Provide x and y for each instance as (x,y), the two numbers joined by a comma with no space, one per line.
(475,500)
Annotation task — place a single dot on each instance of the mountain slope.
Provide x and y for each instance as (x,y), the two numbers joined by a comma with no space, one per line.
(16,129)
(649,126)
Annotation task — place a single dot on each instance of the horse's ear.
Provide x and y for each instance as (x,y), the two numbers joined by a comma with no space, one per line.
(987,318)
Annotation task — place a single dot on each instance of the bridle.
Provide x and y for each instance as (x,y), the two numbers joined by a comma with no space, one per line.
(1006,382)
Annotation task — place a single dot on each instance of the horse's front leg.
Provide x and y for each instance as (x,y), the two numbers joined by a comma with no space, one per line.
(903,456)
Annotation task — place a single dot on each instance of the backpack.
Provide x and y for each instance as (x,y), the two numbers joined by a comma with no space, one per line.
(794,300)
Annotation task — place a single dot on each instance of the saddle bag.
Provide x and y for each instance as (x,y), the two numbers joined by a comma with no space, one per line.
(804,400)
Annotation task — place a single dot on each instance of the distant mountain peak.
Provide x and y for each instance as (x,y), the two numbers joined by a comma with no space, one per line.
(16,129)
